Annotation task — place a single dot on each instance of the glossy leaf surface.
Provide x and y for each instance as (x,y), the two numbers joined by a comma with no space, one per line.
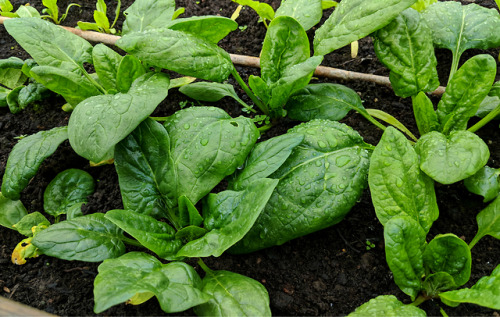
(99,123)
(306,12)
(488,222)
(397,185)
(387,305)
(405,47)
(27,156)
(210,92)
(233,295)
(210,28)
(452,158)
(148,14)
(26,224)
(90,238)
(106,62)
(11,211)
(68,188)
(485,183)
(355,19)
(424,113)
(129,70)
(438,282)
(176,285)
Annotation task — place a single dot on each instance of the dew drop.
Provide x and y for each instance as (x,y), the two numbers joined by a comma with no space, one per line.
(342,160)
(186,126)
(322,144)
(204,142)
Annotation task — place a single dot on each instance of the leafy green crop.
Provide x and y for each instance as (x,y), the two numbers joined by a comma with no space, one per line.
(53,11)
(101,19)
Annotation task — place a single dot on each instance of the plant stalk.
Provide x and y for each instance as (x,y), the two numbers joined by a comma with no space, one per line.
(420,299)
(204,267)
(247,90)
(481,123)
(131,242)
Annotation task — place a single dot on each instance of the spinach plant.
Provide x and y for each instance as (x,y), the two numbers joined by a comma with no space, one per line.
(51,11)
(6,9)
(101,19)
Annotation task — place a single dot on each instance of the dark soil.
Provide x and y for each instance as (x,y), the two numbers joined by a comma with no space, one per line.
(329,272)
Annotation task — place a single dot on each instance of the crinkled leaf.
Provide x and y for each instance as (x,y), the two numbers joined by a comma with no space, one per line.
(11,74)
(176,285)
(210,28)
(355,19)
(68,188)
(387,306)
(50,45)
(464,93)
(34,219)
(13,100)
(229,216)
(4,92)
(265,158)
(424,113)
(181,52)
(206,146)
(188,214)
(404,248)
(27,156)
(90,238)
(11,211)
(147,14)
(450,254)
(323,101)
(485,183)
(129,70)
(31,93)
(420,5)
(99,123)
(452,158)
(73,87)
(141,161)
(488,221)
(318,184)
(438,282)
(233,295)
(486,292)
(306,12)
(155,235)
(106,62)
(460,27)
(405,47)
(397,185)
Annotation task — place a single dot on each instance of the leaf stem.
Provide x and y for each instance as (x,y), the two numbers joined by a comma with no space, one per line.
(247,90)
(96,84)
(454,66)
(490,116)
(420,299)
(372,120)
(474,241)
(159,118)
(131,242)
(205,267)
(264,128)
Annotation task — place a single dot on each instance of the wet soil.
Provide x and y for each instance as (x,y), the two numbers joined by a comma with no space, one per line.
(330,272)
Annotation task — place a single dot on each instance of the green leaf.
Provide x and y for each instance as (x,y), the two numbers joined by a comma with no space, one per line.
(355,19)
(389,119)
(323,101)
(318,184)
(11,211)
(26,11)
(6,6)
(31,93)
(99,123)
(448,253)
(180,52)
(327,4)
(34,219)
(397,185)
(129,70)
(285,46)
(11,74)
(211,28)
(485,183)
(465,91)
(142,162)
(405,47)
(307,12)
(4,93)
(73,87)
(87,26)
(190,233)
(101,6)
(264,10)
(404,248)
(260,88)
(420,5)
(488,104)
(206,146)
(233,295)
(106,62)
(74,211)
(425,116)
(437,283)
(27,156)
(459,28)
(486,292)
(52,9)
(68,188)
(90,238)
(229,215)
(147,14)
(388,306)
(210,92)
(176,285)
(188,214)
(101,20)
(50,45)
(488,222)
(452,158)
(266,157)
(13,100)
(155,235)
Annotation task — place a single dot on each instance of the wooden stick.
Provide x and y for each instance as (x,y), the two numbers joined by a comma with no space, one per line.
(11,308)
(251,61)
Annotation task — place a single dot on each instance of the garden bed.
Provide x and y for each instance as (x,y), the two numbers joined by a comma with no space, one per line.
(330,272)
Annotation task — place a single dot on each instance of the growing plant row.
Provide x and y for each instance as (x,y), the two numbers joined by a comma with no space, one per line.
(280,189)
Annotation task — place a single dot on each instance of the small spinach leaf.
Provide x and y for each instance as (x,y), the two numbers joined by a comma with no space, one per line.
(307,12)
(147,14)
(424,113)
(188,214)
(11,74)
(210,92)
(26,224)
(129,70)
(27,156)
(485,183)
(210,28)
(387,305)
(488,222)
(106,62)
(264,10)
(11,211)
(438,282)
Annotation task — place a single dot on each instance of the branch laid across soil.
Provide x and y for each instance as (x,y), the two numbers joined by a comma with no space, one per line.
(251,61)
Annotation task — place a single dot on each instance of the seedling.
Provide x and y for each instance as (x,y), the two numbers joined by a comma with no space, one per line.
(101,19)
(52,11)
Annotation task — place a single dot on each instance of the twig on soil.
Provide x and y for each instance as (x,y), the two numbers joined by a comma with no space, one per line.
(347,243)
(251,61)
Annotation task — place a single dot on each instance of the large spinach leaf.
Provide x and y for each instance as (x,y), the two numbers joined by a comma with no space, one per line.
(99,123)
(27,156)
(405,47)
(148,14)
(306,12)
(318,184)
(397,185)
(210,28)
(355,19)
